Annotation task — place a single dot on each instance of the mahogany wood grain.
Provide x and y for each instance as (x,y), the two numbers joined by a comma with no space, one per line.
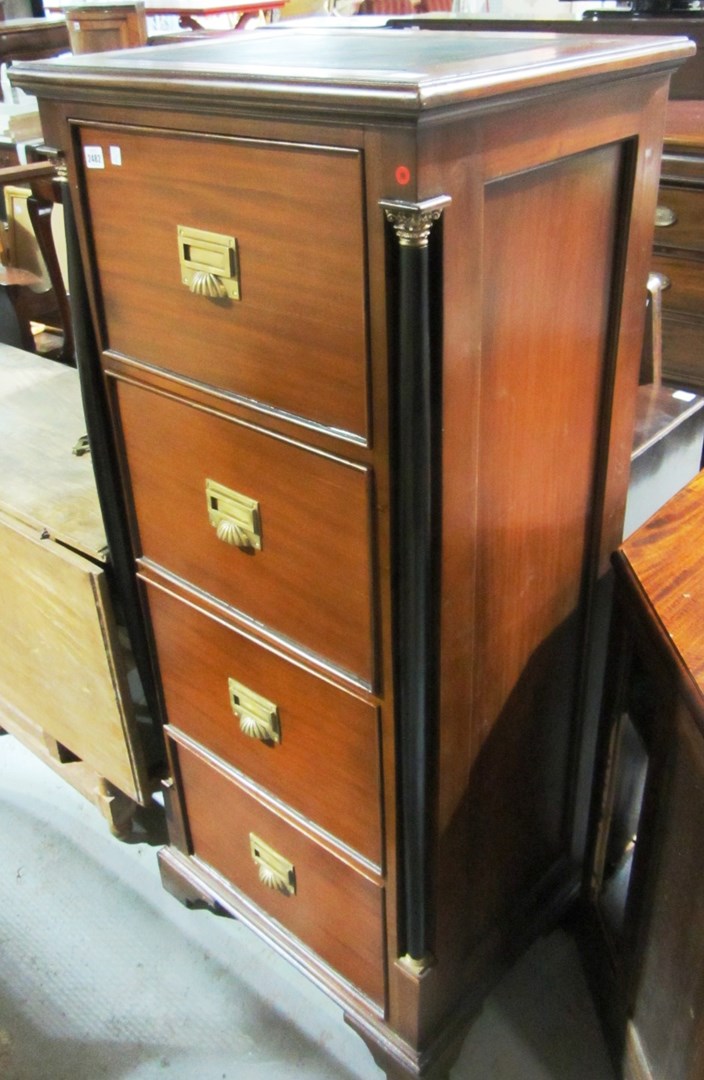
(296,339)
(548,150)
(329,739)
(312,579)
(335,910)
(534,496)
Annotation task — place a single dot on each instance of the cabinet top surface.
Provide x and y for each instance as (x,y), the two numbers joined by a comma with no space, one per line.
(374,70)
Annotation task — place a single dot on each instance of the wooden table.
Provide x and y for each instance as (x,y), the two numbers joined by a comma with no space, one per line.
(189,12)
(643,926)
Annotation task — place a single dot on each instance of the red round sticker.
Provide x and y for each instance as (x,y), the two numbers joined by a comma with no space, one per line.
(403,174)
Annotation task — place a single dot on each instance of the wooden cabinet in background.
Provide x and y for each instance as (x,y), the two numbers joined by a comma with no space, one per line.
(371,347)
(644,924)
(679,244)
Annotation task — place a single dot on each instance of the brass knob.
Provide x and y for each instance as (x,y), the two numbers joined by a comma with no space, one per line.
(665,217)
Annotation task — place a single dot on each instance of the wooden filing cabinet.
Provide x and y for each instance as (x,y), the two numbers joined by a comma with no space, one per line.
(642,927)
(68,685)
(371,383)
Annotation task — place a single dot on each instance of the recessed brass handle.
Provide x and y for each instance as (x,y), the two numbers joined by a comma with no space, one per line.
(274,870)
(235,517)
(209,263)
(257,716)
(664,217)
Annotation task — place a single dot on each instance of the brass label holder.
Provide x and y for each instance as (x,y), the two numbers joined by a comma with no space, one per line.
(274,870)
(258,718)
(235,517)
(209,263)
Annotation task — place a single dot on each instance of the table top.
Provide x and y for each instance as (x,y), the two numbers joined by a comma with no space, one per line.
(664,561)
(203,7)
(169,7)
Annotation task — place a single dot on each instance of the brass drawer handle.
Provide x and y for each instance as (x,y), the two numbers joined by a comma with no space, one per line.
(234,517)
(274,870)
(258,718)
(209,263)
(664,217)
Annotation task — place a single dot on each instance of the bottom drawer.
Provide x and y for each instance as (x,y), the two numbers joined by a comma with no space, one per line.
(316,895)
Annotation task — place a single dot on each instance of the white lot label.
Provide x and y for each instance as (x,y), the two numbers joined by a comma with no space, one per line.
(94,157)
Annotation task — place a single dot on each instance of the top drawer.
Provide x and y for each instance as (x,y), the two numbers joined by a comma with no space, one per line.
(295,340)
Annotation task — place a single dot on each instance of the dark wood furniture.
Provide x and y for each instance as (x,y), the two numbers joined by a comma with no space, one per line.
(645,914)
(373,472)
(679,243)
(44,192)
(30,39)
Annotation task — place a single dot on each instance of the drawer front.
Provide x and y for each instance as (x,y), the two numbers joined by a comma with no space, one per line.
(296,337)
(683,351)
(334,910)
(685,292)
(679,222)
(310,579)
(308,743)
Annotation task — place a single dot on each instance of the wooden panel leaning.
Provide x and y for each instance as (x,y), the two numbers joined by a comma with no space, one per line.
(67,688)
(643,928)
(389,295)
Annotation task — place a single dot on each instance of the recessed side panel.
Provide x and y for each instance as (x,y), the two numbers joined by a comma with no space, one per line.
(548,265)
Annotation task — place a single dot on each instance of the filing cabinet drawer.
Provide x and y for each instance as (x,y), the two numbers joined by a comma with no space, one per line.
(293,733)
(685,292)
(679,222)
(296,337)
(310,578)
(331,907)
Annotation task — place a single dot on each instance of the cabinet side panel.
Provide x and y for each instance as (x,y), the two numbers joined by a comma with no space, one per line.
(547,274)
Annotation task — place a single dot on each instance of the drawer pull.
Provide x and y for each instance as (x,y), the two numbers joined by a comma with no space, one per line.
(234,517)
(274,871)
(209,263)
(258,718)
(664,217)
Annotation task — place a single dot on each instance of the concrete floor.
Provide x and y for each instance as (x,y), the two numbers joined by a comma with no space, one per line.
(104,975)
